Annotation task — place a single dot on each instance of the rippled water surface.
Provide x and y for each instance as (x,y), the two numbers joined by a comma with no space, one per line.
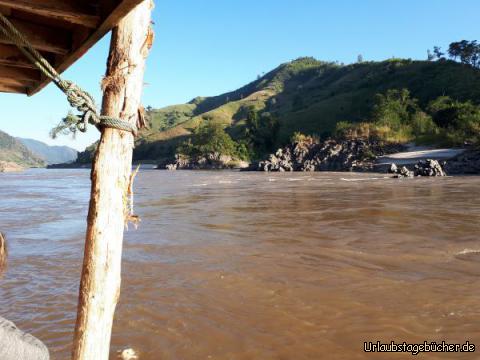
(230,265)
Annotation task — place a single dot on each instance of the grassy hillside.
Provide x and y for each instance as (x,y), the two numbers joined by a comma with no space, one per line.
(12,150)
(309,96)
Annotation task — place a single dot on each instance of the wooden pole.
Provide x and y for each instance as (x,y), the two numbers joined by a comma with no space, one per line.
(110,176)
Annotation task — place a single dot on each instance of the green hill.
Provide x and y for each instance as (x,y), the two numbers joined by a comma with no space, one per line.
(12,150)
(308,96)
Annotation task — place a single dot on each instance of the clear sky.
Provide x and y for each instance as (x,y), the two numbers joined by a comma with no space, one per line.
(210,47)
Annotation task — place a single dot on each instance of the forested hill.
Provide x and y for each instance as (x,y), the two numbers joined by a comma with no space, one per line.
(12,150)
(308,96)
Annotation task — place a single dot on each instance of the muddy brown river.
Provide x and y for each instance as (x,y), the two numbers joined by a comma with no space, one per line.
(229,265)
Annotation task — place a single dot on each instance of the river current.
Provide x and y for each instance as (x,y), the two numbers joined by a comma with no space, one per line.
(229,265)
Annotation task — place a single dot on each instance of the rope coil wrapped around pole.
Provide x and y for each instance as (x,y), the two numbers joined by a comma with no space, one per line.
(77,97)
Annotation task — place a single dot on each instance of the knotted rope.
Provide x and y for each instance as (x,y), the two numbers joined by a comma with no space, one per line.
(78,98)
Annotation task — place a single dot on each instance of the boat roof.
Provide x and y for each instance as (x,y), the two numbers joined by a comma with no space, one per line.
(61,30)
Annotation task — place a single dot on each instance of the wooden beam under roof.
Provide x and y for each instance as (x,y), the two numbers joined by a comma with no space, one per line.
(17,73)
(13,88)
(67,10)
(10,55)
(61,30)
(16,82)
(42,37)
(122,9)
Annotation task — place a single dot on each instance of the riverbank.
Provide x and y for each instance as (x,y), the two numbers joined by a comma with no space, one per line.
(143,165)
(453,161)
(332,155)
(366,155)
(7,166)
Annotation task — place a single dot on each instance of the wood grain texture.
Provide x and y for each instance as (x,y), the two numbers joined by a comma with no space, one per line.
(7,88)
(67,10)
(16,73)
(42,37)
(100,284)
(63,30)
(10,55)
(113,18)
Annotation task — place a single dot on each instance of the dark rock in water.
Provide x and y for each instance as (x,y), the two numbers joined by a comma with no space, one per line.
(403,173)
(466,163)
(428,167)
(330,155)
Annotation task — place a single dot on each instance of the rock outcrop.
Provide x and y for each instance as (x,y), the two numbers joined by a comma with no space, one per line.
(329,155)
(428,167)
(402,172)
(212,161)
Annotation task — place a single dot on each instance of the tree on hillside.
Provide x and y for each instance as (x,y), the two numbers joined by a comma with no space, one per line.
(447,112)
(394,108)
(467,51)
(398,116)
(430,56)
(454,50)
(261,130)
(360,59)
(207,139)
(438,52)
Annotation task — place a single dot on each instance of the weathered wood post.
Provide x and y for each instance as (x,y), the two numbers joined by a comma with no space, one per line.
(110,176)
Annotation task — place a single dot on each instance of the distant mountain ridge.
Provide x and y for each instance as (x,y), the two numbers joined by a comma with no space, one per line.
(50,154)
(13,150)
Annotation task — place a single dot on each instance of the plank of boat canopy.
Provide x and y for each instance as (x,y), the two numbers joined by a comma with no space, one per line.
(62,30)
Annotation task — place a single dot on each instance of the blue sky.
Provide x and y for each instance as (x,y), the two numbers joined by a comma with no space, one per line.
(210,47)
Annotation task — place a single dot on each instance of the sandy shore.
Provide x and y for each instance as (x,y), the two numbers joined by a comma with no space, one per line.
(417,153)
(6,166)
